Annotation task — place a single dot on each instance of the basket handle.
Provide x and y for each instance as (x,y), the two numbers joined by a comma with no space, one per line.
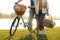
(50,16)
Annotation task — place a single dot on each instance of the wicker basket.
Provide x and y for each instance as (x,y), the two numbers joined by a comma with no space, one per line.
(49,22)
(19,9)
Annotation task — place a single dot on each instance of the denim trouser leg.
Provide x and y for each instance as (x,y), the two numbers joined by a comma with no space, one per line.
(31,16)
(40,18)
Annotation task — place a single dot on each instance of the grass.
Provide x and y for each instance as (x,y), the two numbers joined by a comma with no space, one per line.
(51,34)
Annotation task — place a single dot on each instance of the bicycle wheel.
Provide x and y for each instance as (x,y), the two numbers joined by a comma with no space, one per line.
(14,25)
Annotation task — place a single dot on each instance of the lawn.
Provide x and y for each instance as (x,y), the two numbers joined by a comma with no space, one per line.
(51,34)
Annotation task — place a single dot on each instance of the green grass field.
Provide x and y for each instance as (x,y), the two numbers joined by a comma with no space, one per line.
(51,34)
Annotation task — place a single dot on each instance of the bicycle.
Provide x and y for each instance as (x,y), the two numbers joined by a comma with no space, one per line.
(19,10)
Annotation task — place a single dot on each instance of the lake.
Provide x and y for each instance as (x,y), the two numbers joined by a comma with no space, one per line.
(6,23)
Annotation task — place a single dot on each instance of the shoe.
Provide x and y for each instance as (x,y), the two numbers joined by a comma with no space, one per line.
(30,33)
(41,32)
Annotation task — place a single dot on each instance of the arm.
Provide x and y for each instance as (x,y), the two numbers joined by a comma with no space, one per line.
(47,7)
(18,1)
(47,12)
(32,7)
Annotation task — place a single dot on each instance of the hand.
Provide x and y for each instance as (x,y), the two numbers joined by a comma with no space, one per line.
(31,7)
(47,13)
(16,2)
(20,0)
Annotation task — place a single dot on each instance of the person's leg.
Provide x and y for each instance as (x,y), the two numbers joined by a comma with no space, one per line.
(40,18)
(37,22)
(41,27)
(30,21)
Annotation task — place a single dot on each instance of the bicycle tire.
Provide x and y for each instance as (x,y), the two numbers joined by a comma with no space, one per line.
(12,31)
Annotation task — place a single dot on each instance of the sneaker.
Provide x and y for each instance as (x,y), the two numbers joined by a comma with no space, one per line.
(30,33)
(42,32)
(39,32)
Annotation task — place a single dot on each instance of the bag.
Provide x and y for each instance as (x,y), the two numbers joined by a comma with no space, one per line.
(49,23)
(19,9)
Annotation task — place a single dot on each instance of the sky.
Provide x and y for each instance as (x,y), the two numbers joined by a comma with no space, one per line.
(7,6)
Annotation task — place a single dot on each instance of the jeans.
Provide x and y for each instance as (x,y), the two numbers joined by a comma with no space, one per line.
(31,16)
(40,18)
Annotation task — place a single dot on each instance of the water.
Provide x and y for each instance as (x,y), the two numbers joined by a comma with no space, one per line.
(6,23)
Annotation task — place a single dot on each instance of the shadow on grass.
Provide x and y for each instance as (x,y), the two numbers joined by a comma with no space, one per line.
(31,37)
(9,37)
(41,37)
(27,37)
